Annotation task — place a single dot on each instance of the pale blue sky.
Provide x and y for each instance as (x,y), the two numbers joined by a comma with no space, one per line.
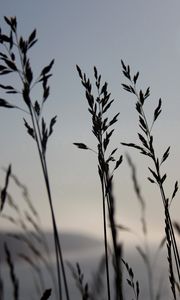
(146,35)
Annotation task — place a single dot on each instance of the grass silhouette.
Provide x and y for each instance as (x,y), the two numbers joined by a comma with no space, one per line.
(15,59)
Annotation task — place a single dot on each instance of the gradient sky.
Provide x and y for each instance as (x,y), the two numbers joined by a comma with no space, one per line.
(146,35)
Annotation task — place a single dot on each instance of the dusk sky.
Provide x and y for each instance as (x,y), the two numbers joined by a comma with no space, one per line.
(146,35)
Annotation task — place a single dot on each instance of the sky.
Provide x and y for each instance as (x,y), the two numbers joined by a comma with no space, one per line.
(146,35)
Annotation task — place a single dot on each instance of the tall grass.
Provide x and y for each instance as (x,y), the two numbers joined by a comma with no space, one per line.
(14,46)
(147,148)
(14,58)
(102,128)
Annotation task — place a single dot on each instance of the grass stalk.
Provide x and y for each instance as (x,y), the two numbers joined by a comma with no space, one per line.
(105,241)
(147,148)
(13,43)
(101,129)
(116,246)
(38,140)
(55,231)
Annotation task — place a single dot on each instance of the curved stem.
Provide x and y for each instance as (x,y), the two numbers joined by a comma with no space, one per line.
(39,146)
(56,232)
(56,235)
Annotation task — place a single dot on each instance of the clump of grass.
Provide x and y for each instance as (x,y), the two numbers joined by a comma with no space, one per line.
(15,59)
(29,232)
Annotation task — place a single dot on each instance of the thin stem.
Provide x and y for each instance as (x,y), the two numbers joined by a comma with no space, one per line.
(111,209)
(110,204)
(101,157)
(53,218)
(56,236)
(105,240)
(39,146)
(56,233)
